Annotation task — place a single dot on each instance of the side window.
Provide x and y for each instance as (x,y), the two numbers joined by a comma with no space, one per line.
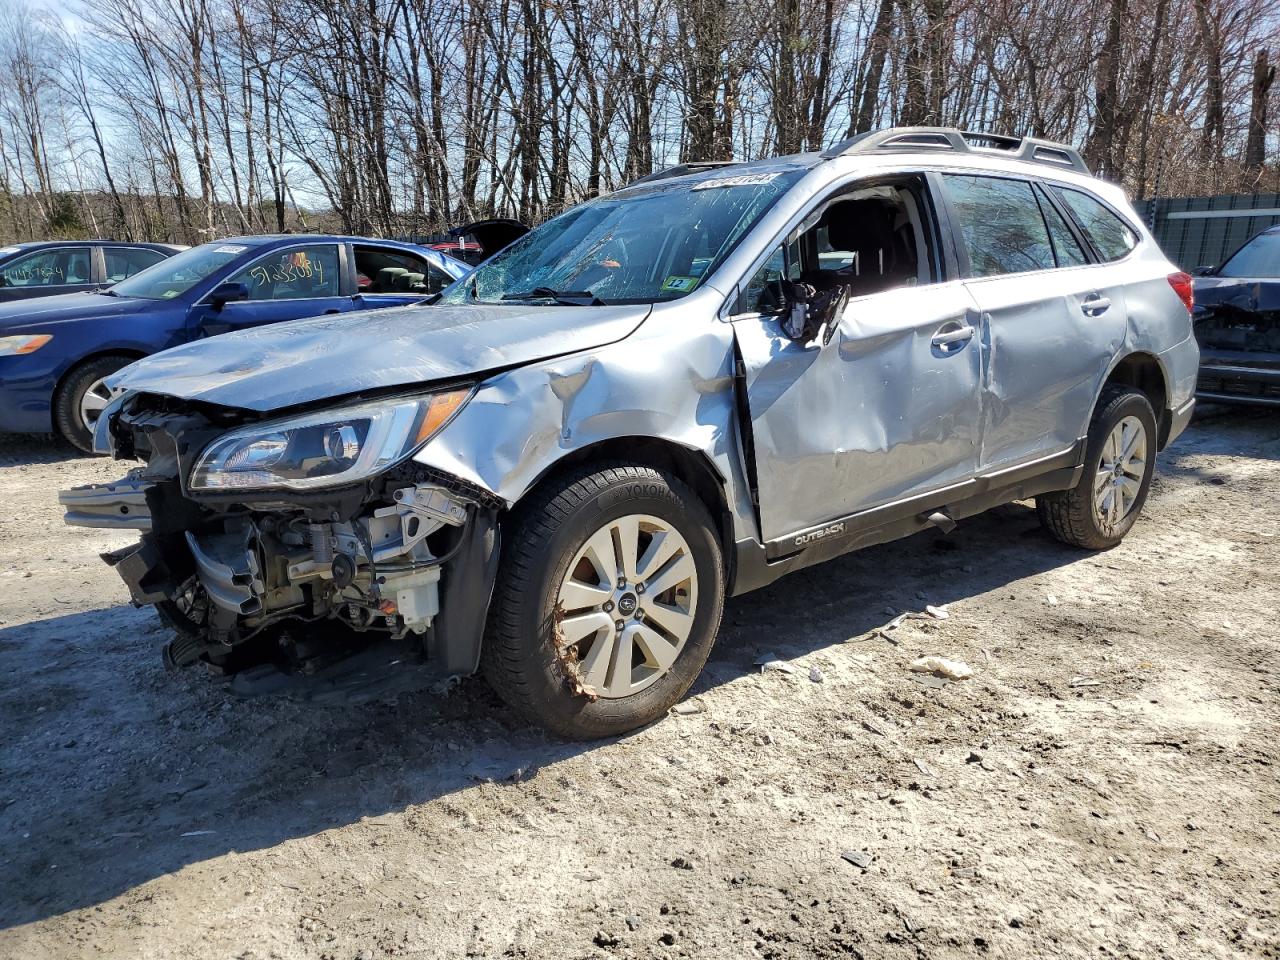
(124,262)
(302,273)
(1000,225)
(48,268)
(869,239)
(1111,235)
(391,271)
(1065,246)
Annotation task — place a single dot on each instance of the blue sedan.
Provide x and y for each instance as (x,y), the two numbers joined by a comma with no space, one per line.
(55,352)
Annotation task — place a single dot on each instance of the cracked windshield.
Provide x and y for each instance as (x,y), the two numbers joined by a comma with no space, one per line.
(641,245)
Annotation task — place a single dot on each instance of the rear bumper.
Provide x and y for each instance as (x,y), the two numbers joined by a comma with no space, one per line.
(1178,420)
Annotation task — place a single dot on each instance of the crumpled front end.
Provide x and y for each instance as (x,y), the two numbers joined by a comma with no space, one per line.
(294,580)
(1237,324)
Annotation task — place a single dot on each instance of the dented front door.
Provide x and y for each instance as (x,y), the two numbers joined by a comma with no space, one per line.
(888,409)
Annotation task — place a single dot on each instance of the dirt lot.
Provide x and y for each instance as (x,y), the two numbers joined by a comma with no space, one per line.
(1105,786)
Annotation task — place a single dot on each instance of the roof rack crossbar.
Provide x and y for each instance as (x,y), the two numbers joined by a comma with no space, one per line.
(922,139)
(682,169)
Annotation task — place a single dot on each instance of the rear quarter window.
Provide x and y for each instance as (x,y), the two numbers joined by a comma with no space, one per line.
(1111,236)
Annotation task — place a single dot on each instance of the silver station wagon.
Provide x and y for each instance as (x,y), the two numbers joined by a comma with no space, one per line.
(666,396)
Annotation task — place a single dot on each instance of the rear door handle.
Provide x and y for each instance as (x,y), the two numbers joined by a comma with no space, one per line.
(1095,305)
(950,341)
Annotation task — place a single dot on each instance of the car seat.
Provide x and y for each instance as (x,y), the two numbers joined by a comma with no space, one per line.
(878,233)
(407,281)
(77,268)
(386,282)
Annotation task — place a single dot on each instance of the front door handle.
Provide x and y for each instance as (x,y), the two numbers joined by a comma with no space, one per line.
(1095,305)
(952,341)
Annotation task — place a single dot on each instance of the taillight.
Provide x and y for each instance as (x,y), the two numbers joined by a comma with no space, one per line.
(1183,286)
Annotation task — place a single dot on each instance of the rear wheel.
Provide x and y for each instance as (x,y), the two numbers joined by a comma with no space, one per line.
(82,397)
(1119,461)
(608,600)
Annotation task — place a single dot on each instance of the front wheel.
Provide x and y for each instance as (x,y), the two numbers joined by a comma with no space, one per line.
(607,603)
(1119,461)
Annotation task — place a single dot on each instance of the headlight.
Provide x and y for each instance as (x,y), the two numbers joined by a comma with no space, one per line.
(28,343)
(325,449)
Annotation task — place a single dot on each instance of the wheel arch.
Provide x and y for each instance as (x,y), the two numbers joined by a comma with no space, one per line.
(691,466)
(1144,372)
(132,352)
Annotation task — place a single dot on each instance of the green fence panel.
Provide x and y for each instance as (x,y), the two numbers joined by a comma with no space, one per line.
(1203,231)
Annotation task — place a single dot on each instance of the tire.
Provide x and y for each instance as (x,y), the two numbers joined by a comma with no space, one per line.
(70,396)
(553,651)
(1076,516)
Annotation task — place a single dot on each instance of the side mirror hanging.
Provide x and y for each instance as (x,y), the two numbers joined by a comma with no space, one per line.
(811,315)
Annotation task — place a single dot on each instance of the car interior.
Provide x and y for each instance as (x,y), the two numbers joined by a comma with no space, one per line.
(49,268)
(384,271)
(870,239)
(296,275)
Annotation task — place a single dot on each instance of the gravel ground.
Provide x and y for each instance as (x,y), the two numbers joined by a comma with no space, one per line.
(1106,784)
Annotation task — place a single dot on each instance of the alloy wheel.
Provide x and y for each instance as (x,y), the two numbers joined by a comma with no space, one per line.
(626,607)
(1120,471)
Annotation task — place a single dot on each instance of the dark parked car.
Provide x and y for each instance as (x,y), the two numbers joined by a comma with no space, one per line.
(73,266)
(56,353)
(1237,322)
(476,242)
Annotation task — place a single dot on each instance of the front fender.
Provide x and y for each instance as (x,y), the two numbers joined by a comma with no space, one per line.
(672,381)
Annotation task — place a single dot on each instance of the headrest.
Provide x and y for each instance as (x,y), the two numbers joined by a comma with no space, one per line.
(859,224)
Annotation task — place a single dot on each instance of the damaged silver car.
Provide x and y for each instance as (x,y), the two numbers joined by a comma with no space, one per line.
(669,395)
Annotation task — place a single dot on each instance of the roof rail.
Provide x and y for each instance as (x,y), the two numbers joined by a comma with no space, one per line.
(682,169)
(924,139)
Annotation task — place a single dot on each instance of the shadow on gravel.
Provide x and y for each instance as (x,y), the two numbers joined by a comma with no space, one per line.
(1223,430)
(113,773)
(20,448)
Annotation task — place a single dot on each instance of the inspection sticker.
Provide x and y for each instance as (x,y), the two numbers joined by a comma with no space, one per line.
(745,180)
(680,284)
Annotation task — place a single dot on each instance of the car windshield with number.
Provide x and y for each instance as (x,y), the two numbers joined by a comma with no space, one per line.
(650,243)
(175,276)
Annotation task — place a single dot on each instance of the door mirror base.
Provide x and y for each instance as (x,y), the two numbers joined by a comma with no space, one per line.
(810,315)
(226,293)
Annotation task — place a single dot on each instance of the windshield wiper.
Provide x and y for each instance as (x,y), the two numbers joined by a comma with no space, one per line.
(569,298)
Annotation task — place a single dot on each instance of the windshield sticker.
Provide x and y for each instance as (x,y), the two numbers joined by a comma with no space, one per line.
(746,180)
(230,248)
(680,284)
